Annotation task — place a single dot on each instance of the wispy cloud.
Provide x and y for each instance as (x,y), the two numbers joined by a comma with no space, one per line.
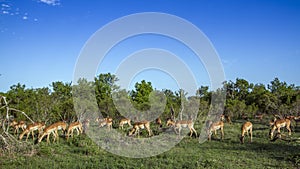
(51,2)
(5,6)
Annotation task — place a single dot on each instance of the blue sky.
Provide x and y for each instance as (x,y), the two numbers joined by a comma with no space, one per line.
(40,40)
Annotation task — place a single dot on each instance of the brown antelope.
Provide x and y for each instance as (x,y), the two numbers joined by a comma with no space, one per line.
(53,128)
(279,124)
(182,124)
(246,127)
(74,126)
(259,116)
(124,121)
(31,128)
(13,123)
(213,127)
(140,125)
(226,118)
(106,122)
(18,125)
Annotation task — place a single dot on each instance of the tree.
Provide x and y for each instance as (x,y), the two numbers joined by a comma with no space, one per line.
(105,84)
(140,96)
(241,87)
(84,99)
(62,100)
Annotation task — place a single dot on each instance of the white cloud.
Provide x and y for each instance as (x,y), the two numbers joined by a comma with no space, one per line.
(25,17)
(5,5)
(50,2)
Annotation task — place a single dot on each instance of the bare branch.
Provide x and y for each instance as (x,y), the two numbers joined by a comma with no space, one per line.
(22,113)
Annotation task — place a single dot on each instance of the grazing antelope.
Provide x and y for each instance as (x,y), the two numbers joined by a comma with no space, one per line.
(62,126)
(213,127)
(53,128)
(106,122)
(140,125)
(279,124)
(123,122)
(31,128)
(182,124)
(18,125)
(246,127)
(74,126)
(13,123)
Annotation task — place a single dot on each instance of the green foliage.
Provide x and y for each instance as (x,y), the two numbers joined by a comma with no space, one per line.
(140,96)
(105,84)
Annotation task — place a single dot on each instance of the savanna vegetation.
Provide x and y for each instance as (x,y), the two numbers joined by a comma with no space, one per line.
(245,101)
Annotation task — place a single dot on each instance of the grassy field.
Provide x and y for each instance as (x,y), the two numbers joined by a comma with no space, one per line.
(82,152)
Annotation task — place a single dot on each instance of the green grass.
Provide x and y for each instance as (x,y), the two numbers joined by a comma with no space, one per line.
(82,152)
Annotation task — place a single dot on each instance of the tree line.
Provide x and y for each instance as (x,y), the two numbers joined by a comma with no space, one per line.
(56,102)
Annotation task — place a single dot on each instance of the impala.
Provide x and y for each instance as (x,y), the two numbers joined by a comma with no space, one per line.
(246,129)
(106,122)
(31,128)
(259,116)
(140,125)
(213,127)
(13,124)
(226,118)
(182,124)
(18,125)
(279,124)
(53,128)
(123,122)
(74,126)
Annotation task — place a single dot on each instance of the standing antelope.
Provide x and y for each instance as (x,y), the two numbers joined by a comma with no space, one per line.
(18,125)
(246,127)
(182,124)
(53,128)
(279,124)
(213,127)
(74,126)
(140,125)
(226,118)
(31,128)
(259,116)
(106,122)
(123,122)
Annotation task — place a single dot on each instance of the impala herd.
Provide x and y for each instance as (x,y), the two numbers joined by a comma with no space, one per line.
(211,127)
